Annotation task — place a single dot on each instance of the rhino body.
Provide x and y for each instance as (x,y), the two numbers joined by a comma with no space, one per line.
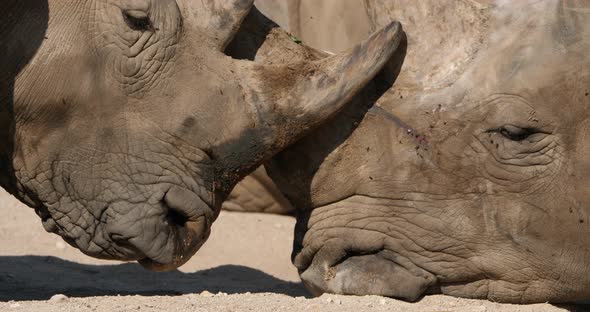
(125,125)
(470,176)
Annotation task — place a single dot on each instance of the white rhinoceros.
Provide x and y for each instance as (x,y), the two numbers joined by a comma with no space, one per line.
(125,125)
(471,175)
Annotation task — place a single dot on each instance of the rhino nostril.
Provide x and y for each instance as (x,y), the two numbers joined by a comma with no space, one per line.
(183,205)
(176,217)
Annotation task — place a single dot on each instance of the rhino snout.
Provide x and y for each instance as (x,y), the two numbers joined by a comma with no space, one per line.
(365,274)
(169,239)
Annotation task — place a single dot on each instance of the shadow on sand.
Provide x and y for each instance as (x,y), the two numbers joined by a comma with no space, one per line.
(40,277)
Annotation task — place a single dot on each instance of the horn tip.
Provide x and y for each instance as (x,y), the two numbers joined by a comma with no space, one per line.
(390,33)
(383,43)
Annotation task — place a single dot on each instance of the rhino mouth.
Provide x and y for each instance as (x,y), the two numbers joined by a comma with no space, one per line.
(374,271)
(189,236)
(186,222)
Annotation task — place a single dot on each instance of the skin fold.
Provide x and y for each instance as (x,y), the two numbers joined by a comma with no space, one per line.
(125,125)
(258,193)
(470,176)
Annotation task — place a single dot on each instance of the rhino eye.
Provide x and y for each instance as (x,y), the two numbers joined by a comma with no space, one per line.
(515,133)
(137,20)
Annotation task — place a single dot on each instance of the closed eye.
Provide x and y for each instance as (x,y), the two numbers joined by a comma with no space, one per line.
(515,133)
(137,20)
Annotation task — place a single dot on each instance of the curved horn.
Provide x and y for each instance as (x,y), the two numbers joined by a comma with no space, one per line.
(316,91)
(293,99)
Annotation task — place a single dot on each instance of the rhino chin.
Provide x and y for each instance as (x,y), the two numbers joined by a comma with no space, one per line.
(188,240)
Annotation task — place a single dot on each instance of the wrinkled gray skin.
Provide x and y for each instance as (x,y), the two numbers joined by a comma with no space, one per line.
(125,126)
(470,176)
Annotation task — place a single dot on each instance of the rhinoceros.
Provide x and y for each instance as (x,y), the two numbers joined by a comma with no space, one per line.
(470,176)
(125,125)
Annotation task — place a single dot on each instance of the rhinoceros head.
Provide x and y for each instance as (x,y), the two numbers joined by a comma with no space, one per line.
(471,176)
(125,125)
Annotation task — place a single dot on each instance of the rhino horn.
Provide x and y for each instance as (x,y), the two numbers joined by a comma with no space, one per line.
(293,99)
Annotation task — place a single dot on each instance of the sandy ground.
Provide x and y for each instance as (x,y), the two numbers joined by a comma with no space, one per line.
(245,266)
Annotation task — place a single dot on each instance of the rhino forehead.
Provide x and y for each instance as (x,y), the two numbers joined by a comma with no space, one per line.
(532,50)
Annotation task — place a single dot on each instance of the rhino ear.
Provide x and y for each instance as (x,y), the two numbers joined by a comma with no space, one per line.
(219,19)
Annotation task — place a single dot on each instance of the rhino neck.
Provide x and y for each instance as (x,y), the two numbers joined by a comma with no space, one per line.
(22,32)
(6,140)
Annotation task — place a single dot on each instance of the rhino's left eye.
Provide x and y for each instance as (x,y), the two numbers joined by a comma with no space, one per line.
(515,133)
(137,20)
